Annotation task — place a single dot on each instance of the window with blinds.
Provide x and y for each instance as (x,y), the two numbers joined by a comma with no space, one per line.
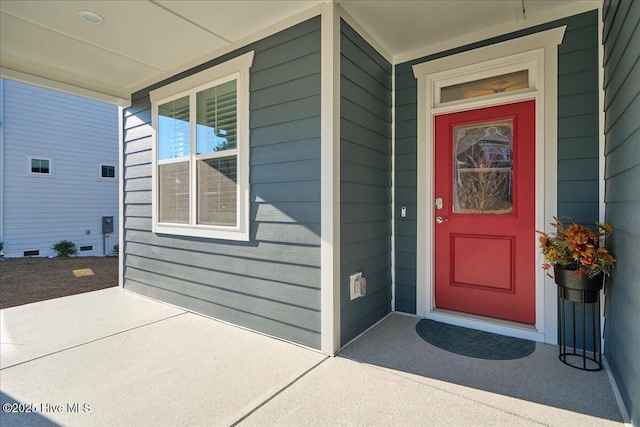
(216,177)
(174,147)
(201,161)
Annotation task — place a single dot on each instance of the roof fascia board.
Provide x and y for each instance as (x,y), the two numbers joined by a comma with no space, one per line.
(552,15)
(259,35)
(72,89)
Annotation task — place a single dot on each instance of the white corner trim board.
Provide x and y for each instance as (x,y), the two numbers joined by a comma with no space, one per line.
(330,181)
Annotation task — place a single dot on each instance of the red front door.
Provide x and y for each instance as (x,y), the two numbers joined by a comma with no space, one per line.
(485,211)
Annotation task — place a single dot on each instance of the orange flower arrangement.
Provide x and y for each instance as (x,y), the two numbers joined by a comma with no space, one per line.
(577,247)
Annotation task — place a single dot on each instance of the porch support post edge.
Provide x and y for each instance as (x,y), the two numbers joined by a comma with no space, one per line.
(424,227)
(121,243)
(330,180)
(2,163)
(602,207)
(547,111)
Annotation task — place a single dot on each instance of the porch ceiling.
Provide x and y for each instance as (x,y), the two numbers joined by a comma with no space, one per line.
(143,41)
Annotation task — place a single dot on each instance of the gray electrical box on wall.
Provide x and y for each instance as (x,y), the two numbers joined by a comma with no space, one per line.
(107,224)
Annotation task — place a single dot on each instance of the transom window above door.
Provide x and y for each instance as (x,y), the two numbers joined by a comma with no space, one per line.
(488,86)
(487,80)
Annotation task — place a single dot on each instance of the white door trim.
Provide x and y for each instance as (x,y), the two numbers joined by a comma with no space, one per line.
(539,52)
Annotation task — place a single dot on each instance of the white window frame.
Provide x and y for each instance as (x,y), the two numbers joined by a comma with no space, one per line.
(108,178)
(234,69)
(32,173)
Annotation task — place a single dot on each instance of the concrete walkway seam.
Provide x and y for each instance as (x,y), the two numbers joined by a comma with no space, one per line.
(276,394)
(94,340)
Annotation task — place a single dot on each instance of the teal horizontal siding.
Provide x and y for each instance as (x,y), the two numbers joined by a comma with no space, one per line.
(622,196)
(365,181)
(272,282)
(406,190)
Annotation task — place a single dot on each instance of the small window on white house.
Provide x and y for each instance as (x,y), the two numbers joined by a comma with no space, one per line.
(40,166)
(107,171)
(201,160)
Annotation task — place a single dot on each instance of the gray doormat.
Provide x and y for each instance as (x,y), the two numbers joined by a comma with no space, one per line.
(472,343)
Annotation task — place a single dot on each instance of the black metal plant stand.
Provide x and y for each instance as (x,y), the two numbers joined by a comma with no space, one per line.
(572,356)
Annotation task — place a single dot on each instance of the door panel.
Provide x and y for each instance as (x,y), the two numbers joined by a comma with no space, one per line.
(485,230)
(472,253)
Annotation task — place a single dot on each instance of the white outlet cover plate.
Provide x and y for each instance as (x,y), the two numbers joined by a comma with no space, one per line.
(352,285)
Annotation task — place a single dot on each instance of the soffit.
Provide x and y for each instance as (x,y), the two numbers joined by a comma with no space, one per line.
(145,41)
(404,26)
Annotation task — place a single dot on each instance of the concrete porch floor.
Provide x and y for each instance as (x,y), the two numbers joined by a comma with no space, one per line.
(113,358)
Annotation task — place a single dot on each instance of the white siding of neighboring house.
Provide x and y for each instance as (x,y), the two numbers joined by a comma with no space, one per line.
(77,135)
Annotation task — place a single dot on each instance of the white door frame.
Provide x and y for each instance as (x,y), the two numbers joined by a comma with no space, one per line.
(539,54)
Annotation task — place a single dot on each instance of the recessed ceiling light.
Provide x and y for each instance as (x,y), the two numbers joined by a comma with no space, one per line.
(90,17)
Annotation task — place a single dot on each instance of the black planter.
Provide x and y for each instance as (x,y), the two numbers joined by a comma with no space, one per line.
(577,287)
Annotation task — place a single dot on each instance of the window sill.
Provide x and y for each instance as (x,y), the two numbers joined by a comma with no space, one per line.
(221,233)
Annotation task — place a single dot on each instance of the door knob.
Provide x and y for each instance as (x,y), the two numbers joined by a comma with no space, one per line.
(440,220)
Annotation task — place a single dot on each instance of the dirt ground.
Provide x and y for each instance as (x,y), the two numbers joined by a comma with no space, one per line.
(27,280)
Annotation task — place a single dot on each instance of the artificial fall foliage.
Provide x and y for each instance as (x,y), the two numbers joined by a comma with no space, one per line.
(577,247)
